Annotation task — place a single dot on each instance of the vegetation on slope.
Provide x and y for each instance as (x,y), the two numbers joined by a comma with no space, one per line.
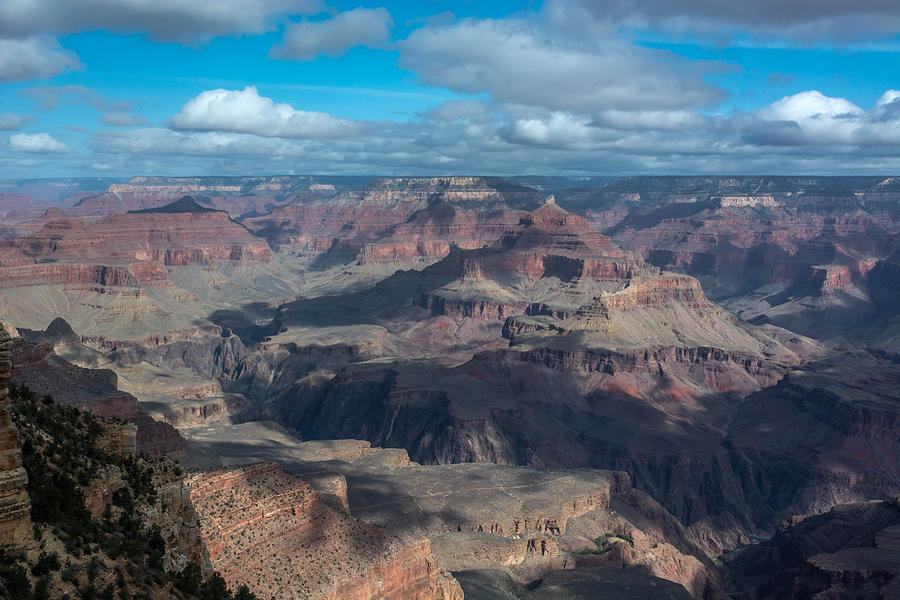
(114,557)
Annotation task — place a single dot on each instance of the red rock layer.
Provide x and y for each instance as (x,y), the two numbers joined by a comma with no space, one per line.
(547,242)
(782,229)
(271,530)
(128,250)
(400,219)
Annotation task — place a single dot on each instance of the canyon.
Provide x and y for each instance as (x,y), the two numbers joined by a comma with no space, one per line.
(481,379)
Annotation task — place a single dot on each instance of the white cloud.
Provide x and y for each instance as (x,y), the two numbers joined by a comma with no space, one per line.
(520,62)
(12,122)
(245,111)
(36,142)
(810,106)
(812,119)
(333,37)
(160,20)
(37,57)
(559,130)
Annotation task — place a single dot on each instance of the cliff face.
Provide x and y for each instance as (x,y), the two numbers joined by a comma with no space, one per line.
(271,530)
(851,551)
(15,520)
(128,250)
(399,220)
(795,250)
(94,502)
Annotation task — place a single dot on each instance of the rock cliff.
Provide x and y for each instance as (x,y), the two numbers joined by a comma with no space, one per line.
(15,520)
(271,529)
(848,552)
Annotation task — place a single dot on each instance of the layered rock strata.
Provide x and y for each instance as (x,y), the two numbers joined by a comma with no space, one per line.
(15,519)
(271,530)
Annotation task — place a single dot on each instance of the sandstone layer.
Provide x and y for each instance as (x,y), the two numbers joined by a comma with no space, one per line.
(271,530)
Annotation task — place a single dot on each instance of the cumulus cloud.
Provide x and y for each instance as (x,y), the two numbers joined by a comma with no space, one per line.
(37,57)
(245,111)
(37,142)
(812,119)
(333,37)
(791,21)
(13,122)
(160,20)
(122,119)
(516,61)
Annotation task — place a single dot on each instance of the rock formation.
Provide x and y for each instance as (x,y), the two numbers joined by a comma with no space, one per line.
(476,516)
(270,529)
(15,521)
(795,251)
(848,552)
(398,220)
(38,366)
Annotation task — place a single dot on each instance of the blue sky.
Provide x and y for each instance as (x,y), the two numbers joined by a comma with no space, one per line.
(129,87)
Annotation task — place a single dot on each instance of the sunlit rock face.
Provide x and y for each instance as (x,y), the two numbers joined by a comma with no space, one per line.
(272,530)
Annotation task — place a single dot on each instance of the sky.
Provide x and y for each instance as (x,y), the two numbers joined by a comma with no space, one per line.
(119,88)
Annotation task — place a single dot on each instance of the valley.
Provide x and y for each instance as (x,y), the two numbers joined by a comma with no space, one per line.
(469,387)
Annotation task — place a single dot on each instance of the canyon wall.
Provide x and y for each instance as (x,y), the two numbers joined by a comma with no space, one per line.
(272,531)
(15,519)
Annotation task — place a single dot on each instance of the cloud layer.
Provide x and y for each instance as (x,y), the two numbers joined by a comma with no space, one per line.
(360,27)
(564,89)
(161,20)
(36,57)
(517,62)
(792,21)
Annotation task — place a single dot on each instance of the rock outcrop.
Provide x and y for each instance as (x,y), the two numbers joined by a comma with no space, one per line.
(844,553)
(15,520)
(398,220)
(236,195)
(793,250)
(271,530)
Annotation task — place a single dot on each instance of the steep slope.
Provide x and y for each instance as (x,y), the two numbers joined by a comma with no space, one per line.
(15,507)
(851,551)
(179,233)
(105,523)
(550,263)
(526,523)
(272,529)
(394,208)
(39,367)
